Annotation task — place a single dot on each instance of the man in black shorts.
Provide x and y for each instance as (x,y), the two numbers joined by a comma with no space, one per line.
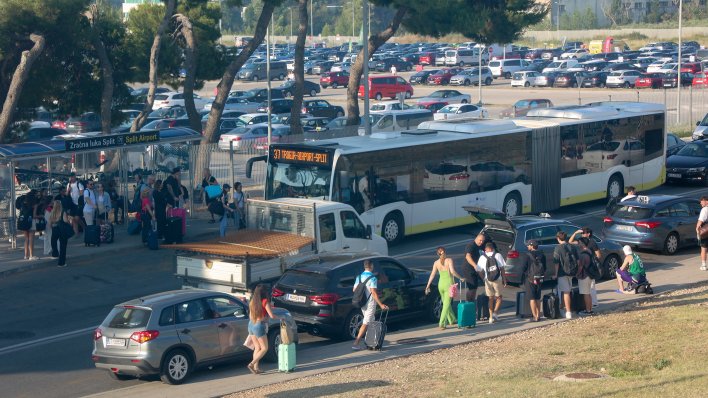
(533,270)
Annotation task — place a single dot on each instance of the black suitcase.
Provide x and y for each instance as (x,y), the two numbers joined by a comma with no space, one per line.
(551,306)
(92,235)
(376,332)
(173,230)
(523,306)
(482,307)
(577,301)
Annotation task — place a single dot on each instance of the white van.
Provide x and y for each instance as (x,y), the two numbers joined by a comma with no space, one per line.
(462,57)
(402,120)
(561,65)
(507,67)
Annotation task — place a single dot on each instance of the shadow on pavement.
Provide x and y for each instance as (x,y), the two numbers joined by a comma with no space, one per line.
(315,391)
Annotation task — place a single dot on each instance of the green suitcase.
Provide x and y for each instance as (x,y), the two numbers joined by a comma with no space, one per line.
(286,357)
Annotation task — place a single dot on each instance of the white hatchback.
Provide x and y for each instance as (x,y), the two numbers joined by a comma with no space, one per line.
(168,100)
(459,111)
(525,79)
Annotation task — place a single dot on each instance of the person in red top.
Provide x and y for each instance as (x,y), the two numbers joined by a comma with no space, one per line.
(259,310)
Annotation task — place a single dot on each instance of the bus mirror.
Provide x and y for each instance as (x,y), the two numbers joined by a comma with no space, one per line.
(249,164)
(368,232)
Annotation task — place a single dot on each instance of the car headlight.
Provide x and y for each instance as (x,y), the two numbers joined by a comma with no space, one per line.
(696,169)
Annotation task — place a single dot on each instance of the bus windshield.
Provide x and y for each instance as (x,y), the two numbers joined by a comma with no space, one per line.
(288,180)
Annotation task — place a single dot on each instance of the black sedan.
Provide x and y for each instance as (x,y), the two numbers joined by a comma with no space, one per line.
(318,294)
(689,164)
(422,76)
(322,108)
(595,79)
(310,88)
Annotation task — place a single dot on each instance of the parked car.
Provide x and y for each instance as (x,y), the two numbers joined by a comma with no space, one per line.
(691,67)
(595,79)
(471,76)
(562,65)
(393,105)
(387,86)
(259,95)
(334,79)
(566,79)
(546,79)
(506,68)
(523,106)
(432,106)
(446,177)
(322,108)
(176,332)
(281,105)
(525,79)
(341,67)
(288,88)
(240,104)
(318,294)
(649,80)
(622,78)
(674,144)
(457,111)
(701,130)
(655,222)
(42,133)
(322,67)
(86,122)
(511,234)
(574,53)
(245,138)
(427,58)
(162,124)
(670,80)
(422,76)
(689,164)
(442,76)
(315,124)
(385,64)
(168,100)
(700,80)
(449,96)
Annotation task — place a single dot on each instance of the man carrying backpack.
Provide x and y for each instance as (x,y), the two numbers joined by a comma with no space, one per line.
(491,268)
(565,260)
(585,277)
(533,271)
(368,283)
(587,239)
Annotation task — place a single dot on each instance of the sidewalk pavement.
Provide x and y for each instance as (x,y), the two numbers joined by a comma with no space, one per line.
(317,359)
(12,260)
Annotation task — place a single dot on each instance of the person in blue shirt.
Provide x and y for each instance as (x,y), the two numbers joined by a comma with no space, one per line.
(369,310)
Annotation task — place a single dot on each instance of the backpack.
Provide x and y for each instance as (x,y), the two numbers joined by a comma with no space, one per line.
(569,259)
(135,205)
(594,269)
(360,297)
(537,269)
(493,269)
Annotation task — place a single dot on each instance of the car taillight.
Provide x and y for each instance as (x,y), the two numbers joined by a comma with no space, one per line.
(237,138)
(304,110)
(512,254)
(97,334)
(457,177)
(608,220)
(276,292)
(647,224)
(325,299)
(172,123)
(144,336)
(610,157)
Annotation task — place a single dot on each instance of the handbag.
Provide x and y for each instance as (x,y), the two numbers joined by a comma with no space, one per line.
(286,333)
(66,231)
(216,207)
(703,231)
(249,342)
(453,290)
(40,224)
(24,222)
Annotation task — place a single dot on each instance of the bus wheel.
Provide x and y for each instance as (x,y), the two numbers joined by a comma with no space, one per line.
(512,204)
(392,229)
(615,187)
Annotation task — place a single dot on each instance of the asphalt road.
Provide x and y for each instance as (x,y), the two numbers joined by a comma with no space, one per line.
(49,314)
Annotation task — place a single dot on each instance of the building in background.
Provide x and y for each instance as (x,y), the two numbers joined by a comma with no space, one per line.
(128,5)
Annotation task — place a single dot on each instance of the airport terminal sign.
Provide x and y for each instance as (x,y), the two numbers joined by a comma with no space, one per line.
(112,141)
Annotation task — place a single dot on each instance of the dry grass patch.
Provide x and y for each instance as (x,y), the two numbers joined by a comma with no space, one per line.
(655,348)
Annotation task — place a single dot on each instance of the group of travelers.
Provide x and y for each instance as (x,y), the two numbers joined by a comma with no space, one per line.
(219,203)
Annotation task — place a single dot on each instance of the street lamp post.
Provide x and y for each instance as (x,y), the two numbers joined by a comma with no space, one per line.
(351,39)
(312,28)
(678,71)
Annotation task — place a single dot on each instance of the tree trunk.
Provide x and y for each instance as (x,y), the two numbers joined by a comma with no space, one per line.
(184,29)
(374,42)
(224,86)
(18,81)
(299,69)
(106,68)
(154,55)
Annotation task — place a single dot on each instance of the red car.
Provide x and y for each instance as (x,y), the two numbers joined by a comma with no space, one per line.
(334,79)
(432,106)
(649,80)
(443,76)
(700,80)
(426,59)
(691,67)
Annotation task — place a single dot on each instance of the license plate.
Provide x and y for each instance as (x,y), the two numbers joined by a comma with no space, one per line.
(673,175)
(115,342)
(591,164)
(295,298)
(625,228)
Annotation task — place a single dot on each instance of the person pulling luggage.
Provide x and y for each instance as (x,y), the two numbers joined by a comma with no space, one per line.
(369,309)
(491,266)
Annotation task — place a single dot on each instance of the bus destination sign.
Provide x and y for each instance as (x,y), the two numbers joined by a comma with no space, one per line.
(301,155)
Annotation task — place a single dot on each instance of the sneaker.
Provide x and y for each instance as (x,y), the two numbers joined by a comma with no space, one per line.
(495,317)
(491,320)
(357,348)
(704,268)
(33,258)
(61,265)
(595,305)
(568,315)
(585,313)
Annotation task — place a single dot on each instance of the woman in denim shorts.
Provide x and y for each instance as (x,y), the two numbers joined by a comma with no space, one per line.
(259,311)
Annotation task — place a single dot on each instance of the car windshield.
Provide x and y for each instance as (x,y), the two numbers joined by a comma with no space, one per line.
(608,146)
(631,212)
(694,150)
(437,94)
(298,181)
(303,280)
(521,104)
(448,109)
(128,317)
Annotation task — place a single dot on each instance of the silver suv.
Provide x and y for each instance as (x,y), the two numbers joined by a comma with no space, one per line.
(172,333)
(471,76)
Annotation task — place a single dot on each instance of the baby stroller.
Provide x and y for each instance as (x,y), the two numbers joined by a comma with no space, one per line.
(639,284)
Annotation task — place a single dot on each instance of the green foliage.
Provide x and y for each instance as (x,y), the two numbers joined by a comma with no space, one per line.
(579,20)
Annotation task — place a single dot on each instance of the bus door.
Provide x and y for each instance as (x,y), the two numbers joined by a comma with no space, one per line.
(546,169)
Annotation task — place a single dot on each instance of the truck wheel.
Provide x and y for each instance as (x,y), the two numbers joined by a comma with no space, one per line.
(352,323)
(527,84)
(392,229)
(175,368)
(512,204)
(334,85)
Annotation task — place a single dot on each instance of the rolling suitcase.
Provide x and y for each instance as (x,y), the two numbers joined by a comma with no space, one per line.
(134,227)
(286,357)
(376,332)
(107,232)
(523,307)
(577,301)
(152,242)
(551,306)
(466,312)
(92,235)
(482,307)
(173,230)
(181,213)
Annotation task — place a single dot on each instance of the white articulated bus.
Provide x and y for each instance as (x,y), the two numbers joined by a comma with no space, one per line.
(404,183)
